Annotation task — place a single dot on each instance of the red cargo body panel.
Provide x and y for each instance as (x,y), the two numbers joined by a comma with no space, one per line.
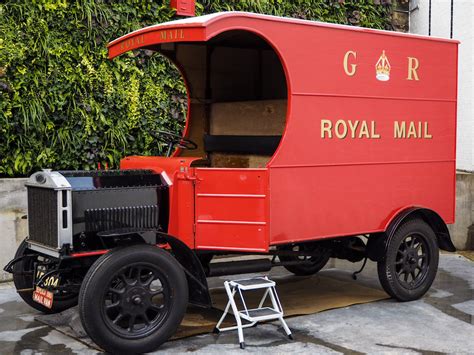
(370,131)
(345,186)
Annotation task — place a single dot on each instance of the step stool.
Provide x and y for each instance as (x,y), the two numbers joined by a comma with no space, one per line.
(253,315)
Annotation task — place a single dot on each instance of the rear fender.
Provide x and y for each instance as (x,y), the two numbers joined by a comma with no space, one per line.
(377,244)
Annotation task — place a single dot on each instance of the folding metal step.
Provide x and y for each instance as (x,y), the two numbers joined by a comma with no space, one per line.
(253,284)
(253,315)
(260,314)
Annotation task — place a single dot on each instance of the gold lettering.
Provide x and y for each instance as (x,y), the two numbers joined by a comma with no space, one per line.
(352,70)
(373,131)
(364,130)
(326,126)
(340,123)
(399,130)
(426,134)
(353,128)
(413,65)
(163,35)
(411,130)
(181,32)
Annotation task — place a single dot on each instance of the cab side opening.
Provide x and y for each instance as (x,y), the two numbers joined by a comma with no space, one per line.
(238,98)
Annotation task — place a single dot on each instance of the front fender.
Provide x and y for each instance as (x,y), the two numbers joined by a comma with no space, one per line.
(198,288)
(192,267)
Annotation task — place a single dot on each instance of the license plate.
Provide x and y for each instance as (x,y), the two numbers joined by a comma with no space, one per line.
(40,294)
(49,282)
(44,297)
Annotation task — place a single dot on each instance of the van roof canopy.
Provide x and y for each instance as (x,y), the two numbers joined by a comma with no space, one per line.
(202,28)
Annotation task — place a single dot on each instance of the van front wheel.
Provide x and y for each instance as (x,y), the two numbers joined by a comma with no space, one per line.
(133,299)
(411,261)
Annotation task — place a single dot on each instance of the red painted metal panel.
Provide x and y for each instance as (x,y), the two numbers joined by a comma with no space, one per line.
(232,237)
(331,201)
(433,138)
(232,209)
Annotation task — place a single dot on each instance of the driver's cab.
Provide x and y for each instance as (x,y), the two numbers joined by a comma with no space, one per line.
(237,99)
(237,107)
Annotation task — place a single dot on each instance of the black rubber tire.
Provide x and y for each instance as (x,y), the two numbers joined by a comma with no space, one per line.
(306,269)
(387,272)
(23,281)
(95,286)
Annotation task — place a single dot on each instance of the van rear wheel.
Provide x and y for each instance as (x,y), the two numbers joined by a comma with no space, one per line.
(133,299)
(411,261)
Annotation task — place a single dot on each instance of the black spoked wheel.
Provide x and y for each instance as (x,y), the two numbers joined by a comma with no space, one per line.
(411,261)
(23,276)
(308,265)
(133,299)
(137,301)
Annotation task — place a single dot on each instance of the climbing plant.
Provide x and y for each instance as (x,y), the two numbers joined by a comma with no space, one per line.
(64,105)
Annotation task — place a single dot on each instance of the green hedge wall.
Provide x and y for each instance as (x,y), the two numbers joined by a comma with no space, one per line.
(64,105)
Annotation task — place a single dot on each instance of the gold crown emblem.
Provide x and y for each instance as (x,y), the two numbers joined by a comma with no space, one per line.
(382,68)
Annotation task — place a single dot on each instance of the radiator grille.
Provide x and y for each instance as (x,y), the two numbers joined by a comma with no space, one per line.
(103,219)
(43,216)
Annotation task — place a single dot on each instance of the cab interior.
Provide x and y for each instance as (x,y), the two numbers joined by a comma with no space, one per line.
(238,98)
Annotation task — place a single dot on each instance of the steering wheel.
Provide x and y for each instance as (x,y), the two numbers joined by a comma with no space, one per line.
(174,139)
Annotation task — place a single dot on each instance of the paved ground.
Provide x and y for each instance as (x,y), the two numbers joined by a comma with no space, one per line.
(442,322)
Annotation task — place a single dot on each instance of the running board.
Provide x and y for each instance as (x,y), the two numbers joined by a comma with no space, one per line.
(238,267)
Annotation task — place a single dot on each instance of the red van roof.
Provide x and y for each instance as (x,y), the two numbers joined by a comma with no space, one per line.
(151,35)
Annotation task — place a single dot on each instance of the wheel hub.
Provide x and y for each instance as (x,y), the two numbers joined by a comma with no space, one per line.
(410,262)
(136,298)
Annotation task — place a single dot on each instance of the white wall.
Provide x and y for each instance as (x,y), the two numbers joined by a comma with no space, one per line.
(463,22)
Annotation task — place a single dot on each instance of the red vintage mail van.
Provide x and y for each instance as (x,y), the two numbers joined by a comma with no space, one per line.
(303,141)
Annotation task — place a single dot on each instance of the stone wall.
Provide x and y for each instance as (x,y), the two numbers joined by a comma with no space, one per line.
(13,228)
(462,232)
